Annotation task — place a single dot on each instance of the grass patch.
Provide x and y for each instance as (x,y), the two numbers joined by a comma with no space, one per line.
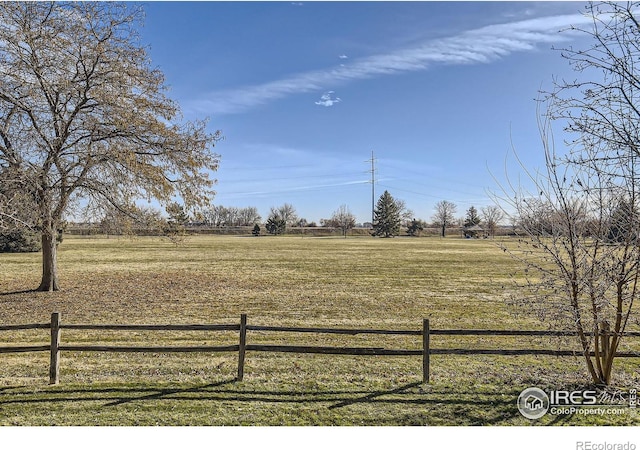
(290,281)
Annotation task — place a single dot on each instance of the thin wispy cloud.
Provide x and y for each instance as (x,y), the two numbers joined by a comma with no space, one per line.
(311,187)
(480,46)
(328,99)
(343,56)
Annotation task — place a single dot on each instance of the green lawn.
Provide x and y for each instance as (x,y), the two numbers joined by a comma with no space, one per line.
(292,281)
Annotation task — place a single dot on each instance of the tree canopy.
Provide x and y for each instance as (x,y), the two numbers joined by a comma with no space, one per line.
(84,115)
(343,219)
(445,215)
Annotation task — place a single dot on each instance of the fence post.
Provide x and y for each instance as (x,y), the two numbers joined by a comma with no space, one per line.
(243,346)
(54,367)
(425,351)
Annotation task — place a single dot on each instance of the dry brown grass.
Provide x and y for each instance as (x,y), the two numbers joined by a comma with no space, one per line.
(359,283)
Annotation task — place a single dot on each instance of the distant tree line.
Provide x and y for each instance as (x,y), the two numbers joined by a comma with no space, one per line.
(223,216)
(391,218)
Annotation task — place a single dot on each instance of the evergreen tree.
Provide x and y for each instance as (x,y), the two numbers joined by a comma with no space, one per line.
(276,225)
(19,241)
(177,214)
(472,217)
(386,216)
(174,228)
(18,219)
(256,230)
(622,226)
(415,227)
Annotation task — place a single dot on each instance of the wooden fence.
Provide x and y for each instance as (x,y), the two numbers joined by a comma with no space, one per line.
(56,346)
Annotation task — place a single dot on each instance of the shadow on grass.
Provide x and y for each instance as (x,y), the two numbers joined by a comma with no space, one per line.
(6,388)
(163,393)
(372,396)
(424,401)
(25,291)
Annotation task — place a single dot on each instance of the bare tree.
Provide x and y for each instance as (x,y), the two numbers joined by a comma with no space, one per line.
(491,216)
(343,219)
(445,215)
(215,215)
(249,216)
(221,216)
(84,115)
(578,276)
(603,110)
(406,214)
(582,259)
(286,212)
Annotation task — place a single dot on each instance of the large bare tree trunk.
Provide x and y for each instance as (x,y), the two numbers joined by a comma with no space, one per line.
(49,261)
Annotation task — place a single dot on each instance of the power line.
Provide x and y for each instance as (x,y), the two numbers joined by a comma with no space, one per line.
(324,175)
(432,177)
(425,195)
(293,189)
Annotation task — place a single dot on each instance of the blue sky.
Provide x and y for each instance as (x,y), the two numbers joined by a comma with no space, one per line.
(303,92)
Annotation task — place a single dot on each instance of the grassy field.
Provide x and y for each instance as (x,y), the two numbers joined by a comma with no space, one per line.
(294,281)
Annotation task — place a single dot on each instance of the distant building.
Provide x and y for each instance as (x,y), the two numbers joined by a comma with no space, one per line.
(474,232)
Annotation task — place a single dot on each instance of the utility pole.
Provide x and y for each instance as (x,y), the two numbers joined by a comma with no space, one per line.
(372,171)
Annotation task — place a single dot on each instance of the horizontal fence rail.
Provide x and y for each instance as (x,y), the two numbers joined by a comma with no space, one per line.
(56,346)
(153,327)
(544,333)
(25,349)
(32,326)
(334,330)
(141,349)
